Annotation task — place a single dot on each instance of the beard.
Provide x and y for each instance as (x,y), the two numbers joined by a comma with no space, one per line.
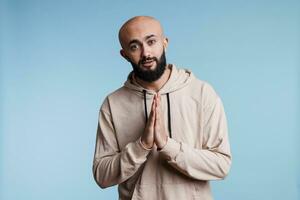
(150,75)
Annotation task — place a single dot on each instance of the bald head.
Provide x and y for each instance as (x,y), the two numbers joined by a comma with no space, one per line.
(144,46)
(135,26)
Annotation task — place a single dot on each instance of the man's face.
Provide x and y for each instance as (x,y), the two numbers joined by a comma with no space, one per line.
(150,75)
(144,47)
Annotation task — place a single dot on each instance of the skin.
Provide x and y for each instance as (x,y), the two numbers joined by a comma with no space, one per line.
(142,37)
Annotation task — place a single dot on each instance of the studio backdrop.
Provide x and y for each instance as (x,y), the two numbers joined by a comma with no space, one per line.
(59,59)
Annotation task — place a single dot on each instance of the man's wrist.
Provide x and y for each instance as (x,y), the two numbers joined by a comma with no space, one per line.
(163,145)
(145,146)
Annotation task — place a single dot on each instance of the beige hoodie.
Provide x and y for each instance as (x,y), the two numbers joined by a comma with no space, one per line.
(197,149)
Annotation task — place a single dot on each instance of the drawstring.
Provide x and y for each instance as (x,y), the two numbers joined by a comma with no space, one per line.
(145,103)
(169,115)
(169,112)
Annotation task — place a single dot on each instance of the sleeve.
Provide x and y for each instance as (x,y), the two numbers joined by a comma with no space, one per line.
(112,166)
(213,161)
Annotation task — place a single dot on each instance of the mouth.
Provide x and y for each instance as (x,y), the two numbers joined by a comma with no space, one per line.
(148,63)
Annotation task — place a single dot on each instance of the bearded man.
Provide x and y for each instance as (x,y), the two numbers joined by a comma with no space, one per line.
(163,135)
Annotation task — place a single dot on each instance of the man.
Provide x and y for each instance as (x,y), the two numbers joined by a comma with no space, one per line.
(163,135)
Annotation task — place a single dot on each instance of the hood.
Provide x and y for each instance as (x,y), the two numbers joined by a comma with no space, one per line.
(179,78)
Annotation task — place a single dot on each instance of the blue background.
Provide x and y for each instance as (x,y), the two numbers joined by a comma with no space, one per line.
(59,59)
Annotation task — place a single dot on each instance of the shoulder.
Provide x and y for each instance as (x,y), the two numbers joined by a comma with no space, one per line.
(116,95)
(206,93)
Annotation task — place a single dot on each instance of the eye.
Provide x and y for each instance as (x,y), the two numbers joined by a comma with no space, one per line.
(151,42)
(134,47)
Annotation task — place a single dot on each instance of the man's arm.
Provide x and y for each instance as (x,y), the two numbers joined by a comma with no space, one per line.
(213,161)
(111,165)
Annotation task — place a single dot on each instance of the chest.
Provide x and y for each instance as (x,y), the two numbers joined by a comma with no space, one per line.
(183,112)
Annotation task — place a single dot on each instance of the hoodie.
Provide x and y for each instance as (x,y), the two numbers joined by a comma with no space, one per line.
(197,149)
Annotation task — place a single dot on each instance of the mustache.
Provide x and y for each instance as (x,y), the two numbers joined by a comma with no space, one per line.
(143,60)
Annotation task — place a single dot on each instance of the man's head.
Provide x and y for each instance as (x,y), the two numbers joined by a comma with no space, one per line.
(144,45)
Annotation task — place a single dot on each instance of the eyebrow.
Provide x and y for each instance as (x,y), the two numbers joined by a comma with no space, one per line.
(134,41)
(149,36)
(137,41)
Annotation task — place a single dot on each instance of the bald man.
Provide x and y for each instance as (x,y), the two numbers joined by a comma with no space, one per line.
(163,134)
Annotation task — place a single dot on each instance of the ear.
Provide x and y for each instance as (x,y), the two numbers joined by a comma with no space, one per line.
(165,43)
(123,54)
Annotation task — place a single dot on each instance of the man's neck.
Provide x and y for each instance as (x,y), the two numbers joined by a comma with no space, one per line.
(156,85)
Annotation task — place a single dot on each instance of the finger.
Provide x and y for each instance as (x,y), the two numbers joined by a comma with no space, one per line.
(154,101)
(152,113)
(157,112)
(158,100)
(152,120)
(156,120)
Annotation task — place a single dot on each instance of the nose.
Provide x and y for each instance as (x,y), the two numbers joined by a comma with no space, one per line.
(145,51)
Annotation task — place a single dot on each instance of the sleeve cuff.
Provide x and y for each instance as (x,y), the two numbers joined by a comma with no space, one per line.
(141,144)
(171,149)
(136,152)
